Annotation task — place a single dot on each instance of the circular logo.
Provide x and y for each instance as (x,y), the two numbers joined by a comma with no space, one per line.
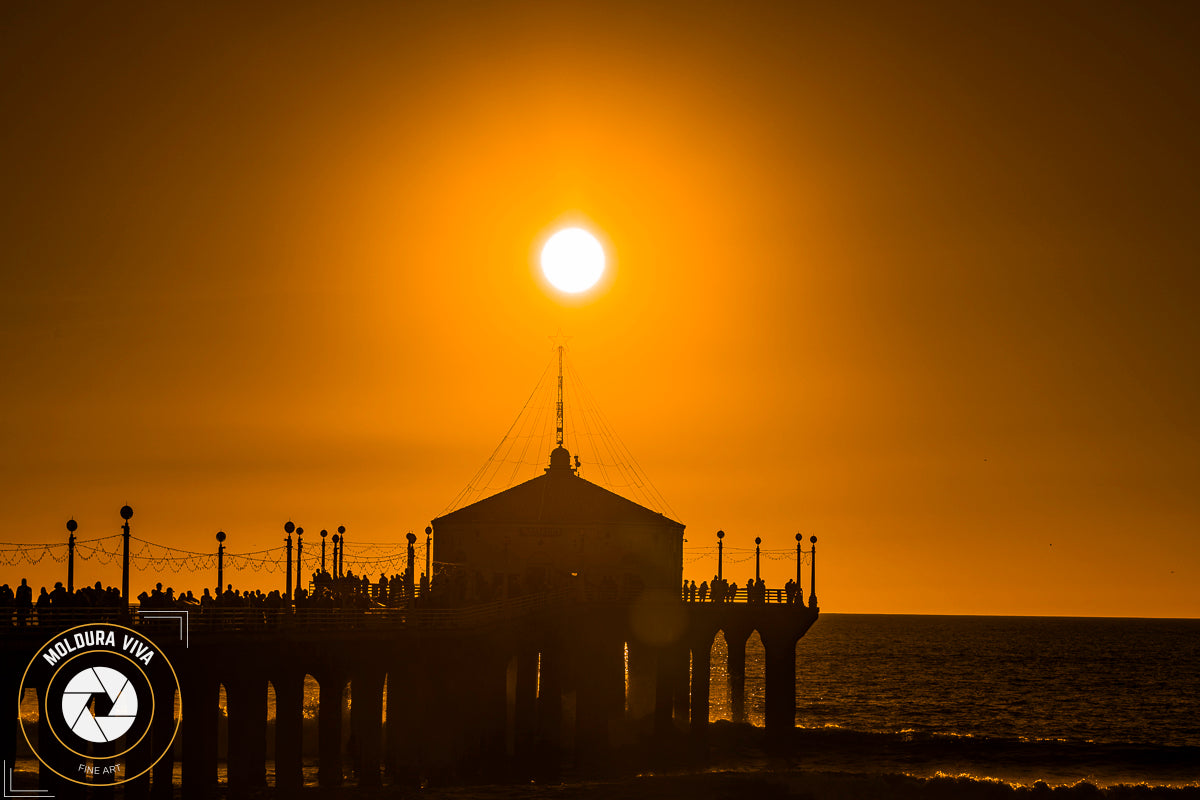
(95,685)
(107,704)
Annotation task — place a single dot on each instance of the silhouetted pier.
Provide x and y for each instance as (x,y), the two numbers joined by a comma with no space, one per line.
(511,689)
(557,631)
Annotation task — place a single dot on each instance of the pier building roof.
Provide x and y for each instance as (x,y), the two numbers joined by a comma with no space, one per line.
(559,496)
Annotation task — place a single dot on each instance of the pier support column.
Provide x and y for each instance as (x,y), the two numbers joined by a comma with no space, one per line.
(10,728)
(246,698)
(496,738)
(682,664)
(256,732)
(600,690)
(780,686)
(701,679)
(465,736)
(200,736)
(366,724)
(665,674)
(549,713)
(641,680)
(329,729)
(237,769)
(49,747)
(525,709)
(408,705)
(614,678)
(490,716)
(441,726)
(289,726)
(163,787)
(139,787)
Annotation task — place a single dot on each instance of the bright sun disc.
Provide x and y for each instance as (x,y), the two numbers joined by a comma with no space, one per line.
(573,260)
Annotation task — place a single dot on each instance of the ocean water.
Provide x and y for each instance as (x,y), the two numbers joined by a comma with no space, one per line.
(1017,699)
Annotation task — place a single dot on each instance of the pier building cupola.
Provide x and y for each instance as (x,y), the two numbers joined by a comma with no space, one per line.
(558,531)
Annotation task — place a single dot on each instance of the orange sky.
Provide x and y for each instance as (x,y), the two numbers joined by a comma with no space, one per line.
(919,279)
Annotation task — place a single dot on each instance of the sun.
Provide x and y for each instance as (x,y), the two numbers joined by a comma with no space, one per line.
(572,260)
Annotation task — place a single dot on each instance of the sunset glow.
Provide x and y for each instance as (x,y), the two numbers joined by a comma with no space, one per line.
(881,282)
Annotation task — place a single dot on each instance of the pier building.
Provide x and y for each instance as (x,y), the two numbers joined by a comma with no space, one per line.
(560,531)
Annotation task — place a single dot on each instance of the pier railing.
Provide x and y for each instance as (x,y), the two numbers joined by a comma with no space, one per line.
(742,595)
(229,619)
(242,618)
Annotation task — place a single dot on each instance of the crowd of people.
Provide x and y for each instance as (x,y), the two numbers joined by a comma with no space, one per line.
(755,591)
(348,591)
(325,591)
(18,605)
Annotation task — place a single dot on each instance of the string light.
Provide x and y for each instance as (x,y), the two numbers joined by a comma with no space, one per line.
(361,558)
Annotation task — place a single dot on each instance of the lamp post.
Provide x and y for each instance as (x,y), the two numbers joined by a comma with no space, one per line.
(220,561)
(428,539)
(408,574)
(720,553)
(799,593)
(288,527)
(71,526)
(337,539)
(299,552)
(126,514)
(812,580)
(757,542)
(324,533)
(340,561)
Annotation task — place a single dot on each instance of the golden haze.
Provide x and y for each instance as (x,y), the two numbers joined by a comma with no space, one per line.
(919,283)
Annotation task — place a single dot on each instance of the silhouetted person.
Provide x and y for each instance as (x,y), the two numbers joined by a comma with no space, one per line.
(7,603)
(703,591)
(59,596)
(43,607)
(24,601)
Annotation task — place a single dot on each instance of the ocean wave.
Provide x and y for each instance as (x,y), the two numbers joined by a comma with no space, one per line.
(929,754)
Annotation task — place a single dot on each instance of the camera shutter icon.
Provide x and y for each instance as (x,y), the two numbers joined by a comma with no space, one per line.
(102,683)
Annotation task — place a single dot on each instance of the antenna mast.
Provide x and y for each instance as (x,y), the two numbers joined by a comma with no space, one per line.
(558,436)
